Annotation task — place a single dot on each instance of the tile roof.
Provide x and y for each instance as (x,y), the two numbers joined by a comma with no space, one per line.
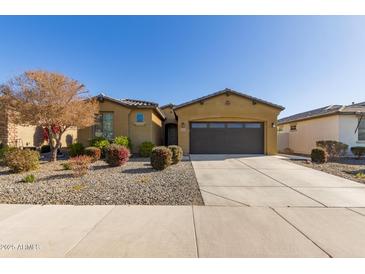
(227,90)
(134,102)
(327,110)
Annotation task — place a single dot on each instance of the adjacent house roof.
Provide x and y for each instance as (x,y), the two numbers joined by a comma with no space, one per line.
(358,108)
(131,103)
(227,90)
(167,106)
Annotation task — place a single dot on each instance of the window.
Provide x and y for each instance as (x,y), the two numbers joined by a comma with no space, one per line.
(216,125)
(104,125)
(199,125)
(235,125)
(293,127)
(139,117)
(252,125)
(361,130)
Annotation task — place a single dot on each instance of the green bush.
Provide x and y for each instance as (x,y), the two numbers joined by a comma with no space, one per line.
(66,166)
(3,151)
(145,149)
(80,165)
(93,152)
(161,157)
(319,155)
(334,149)
(19,160)
(45,148)
(99,142)
(117,155)
(76,149)
(29,178)
(358,151)
(177,154)
(123,141)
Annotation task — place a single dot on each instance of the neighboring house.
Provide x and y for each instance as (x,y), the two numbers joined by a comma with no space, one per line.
(27,136)
(225,122)
(343,123)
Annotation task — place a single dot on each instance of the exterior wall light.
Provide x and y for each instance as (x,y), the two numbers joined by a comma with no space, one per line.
(273,125)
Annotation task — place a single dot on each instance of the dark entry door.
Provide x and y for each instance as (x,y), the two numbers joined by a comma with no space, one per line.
(171,134)
(226,138)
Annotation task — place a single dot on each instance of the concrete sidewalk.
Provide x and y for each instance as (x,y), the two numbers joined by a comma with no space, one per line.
(180,231)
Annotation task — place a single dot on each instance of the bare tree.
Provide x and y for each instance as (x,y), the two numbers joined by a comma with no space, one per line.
(50,100)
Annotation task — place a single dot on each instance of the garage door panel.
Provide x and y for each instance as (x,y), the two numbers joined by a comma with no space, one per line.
(226,138)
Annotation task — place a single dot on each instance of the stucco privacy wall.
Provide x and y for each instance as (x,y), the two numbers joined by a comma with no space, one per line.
(308,132)
(228,108)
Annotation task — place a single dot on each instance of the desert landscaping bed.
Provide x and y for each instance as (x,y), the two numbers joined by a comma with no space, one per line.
(347,168)
(134,183)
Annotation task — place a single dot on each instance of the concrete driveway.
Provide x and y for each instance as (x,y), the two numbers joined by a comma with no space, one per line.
(270,181)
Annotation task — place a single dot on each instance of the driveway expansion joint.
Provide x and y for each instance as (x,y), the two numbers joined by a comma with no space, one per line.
(285,185)
(301,232)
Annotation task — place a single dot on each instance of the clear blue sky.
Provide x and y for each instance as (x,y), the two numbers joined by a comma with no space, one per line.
(298,62)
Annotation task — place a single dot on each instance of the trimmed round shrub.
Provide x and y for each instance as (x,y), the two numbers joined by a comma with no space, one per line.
(80,165)
(76,149)
(93,152)
(161,157)
(117,155)
(177,154)
(45,148)
(334,149)
(123,141)
(358,151)
(145,149)
(19,160)
(319,155)
(100,142)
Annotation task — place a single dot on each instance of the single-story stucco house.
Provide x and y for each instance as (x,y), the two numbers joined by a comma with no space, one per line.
(225,122)
(342,123)
(27,136)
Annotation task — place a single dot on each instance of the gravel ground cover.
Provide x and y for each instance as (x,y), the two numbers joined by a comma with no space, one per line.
(134,183)
(347,168)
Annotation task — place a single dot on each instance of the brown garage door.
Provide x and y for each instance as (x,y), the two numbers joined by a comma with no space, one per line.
(226,138)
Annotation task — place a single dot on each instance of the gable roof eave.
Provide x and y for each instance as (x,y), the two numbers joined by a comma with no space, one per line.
(227,90)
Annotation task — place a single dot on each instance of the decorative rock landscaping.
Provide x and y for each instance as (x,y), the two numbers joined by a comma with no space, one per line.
(134,183)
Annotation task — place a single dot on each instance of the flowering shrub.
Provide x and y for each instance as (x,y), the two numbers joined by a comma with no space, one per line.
(80,165)
(117,155)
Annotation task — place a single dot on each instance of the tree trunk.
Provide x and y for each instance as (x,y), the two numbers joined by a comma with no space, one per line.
(55,144)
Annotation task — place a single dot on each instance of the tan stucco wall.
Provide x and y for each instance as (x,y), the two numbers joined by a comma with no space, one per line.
(150,130)
(125,125)
(120,126)
(239,109)
(308,132)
